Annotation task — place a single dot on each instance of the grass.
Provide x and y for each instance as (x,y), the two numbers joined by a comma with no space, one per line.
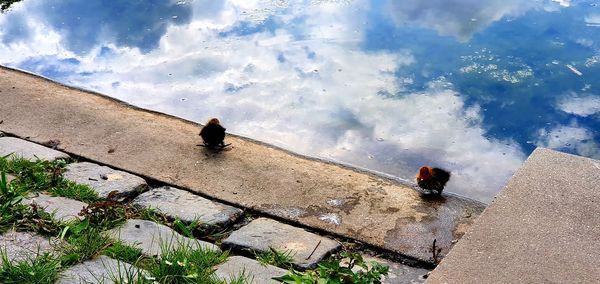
(10,208)
(331,271)
(83,239)
(275,257)
(41,175)
(185,264)
(123,252)
(42,269)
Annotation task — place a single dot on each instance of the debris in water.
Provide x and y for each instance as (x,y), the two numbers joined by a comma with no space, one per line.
(574,70)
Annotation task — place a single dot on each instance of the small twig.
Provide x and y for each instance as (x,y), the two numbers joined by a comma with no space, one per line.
(436,252)
(313,251)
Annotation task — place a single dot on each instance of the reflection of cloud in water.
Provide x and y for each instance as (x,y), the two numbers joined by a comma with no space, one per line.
(459,18)
(291,88)
(572,138)
(85,24)
(329,105)
(581,105)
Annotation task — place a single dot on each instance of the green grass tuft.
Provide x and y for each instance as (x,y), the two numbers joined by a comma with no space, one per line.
(83,242)
(123,252)
(275,257)
(186,265)
(43,269)
(41,175)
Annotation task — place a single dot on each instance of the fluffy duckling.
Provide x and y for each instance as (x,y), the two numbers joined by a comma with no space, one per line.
(213,134)
(432,178)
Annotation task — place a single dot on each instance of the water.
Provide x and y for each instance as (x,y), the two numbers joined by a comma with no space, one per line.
(472,86)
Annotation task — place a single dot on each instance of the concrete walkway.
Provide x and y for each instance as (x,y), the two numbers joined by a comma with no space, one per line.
(320,195)
(544,227)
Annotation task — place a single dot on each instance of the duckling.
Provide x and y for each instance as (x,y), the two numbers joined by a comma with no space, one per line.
(213,134)
(432,178)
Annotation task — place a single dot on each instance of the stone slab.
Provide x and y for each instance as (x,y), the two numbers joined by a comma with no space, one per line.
(104,179)
(398,273)
(262,234)
(22,246)
(101,270)
(543,227)
(28,150)
(64,209)
(177,203)
(363,206)
(151,236)
(256,272)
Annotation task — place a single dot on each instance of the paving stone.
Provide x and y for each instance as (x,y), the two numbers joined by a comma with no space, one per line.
(188,207)
(398,273)
(255,271)
(262,234)
(102,269)
(20,246)
(104,179)
(150,236)
(28,150)
(64,209)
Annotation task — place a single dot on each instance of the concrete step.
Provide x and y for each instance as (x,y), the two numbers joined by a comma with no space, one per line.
(543,227)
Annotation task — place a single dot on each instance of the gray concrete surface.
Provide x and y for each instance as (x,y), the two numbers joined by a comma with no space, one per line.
(28,150)
(252,175)
(543,227)
(24,246)
(101,270)
(104,180)
(189,207)
(153,237)
(255,272)
(263,234)
(64,209)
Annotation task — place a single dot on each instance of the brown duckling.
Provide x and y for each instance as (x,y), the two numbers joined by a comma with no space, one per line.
(432,178)
(213,134)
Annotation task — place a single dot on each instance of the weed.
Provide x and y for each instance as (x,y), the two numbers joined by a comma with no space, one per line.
(75,191)
(43,269)
(105,214)
(186,229)
(123,252)
(37,220)
(10,203)
(241,278)
(275,257)
(186,264)
(83,242)
(332,272)
(41,175)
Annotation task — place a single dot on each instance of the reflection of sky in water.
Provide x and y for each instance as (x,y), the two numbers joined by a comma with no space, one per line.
(469,85)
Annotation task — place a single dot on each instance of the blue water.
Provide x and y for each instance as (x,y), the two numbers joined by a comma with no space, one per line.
(472,86)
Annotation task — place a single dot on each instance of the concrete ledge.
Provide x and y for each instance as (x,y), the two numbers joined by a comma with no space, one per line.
(365,207)
(543,227)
